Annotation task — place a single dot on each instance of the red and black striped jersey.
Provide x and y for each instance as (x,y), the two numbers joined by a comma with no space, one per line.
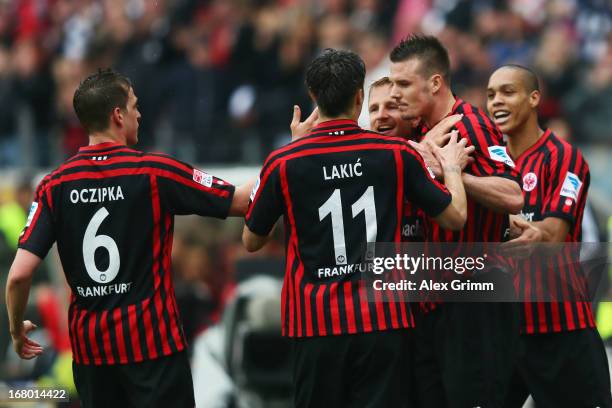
(110,209)
(339,188)
(413,223)
(555,184)
(490,159)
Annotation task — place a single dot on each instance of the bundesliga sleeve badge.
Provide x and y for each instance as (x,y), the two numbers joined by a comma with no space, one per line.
(499,153)
(571,186)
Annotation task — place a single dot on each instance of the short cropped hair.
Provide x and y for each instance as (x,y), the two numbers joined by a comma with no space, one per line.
(429,50)
(384,81)
(97,96)
(334,78)
(530,78)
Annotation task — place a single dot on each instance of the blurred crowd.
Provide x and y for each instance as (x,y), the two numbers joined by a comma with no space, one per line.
(216,79)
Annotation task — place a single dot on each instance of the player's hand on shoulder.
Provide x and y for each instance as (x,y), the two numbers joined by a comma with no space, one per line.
(425,150)
(455,154)
(25,347)
(301,129)
(440,134)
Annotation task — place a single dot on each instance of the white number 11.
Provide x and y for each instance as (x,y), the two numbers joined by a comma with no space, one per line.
(333,206)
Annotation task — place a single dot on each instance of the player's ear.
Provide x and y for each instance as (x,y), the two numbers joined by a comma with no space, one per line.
(435,83)
(359,97)
(534,99)
(117,116)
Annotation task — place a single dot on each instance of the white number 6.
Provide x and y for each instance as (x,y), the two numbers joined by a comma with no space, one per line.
(91,242)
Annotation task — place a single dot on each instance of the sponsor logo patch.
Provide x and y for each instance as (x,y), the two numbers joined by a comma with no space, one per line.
(571,186)
(254,190)
(499,153)
(33,209)
(530,181)
(204,179)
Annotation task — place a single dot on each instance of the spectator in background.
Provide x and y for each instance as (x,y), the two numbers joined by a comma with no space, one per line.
(371,47)
(72,136)
(263,46)
(35,89)
(199,288)
(555,61)
(590,103)
(13,214)
(9,142)
(195,96)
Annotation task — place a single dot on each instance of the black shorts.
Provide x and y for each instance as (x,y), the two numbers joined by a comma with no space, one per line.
(356,370)
(463,354)
(163,382)
(568,369)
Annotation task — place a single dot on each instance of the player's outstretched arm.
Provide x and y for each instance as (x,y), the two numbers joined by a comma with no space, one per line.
(252,241)
(450,156)
(240,201)
(17,292)
(500,194)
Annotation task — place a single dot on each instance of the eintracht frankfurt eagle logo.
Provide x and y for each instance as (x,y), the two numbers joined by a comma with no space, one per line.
(530,181)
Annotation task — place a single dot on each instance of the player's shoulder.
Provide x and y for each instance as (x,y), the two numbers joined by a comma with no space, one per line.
(473,115)
(334,141)
(560,148)
(475,124)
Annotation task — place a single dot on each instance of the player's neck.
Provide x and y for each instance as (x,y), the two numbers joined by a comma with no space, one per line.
(344,116)
(525,137)
(441,109)
(107,136)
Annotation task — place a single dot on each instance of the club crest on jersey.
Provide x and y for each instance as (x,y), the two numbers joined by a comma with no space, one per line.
(204,179)
(530,181)
(571,186)
(254,190)
(499,153)
(33,209)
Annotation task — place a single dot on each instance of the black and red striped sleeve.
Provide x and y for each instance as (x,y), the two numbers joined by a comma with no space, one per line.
(420,186)
(490,156)
(266,204)
(185,190)
(38,235)
(566,192)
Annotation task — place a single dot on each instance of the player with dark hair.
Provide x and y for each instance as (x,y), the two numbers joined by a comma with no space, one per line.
(339,188)
(110,209)
(561,360)
(456,363)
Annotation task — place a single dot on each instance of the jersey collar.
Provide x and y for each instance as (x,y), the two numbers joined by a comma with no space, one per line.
(336,123)
(534,146)
(458,101)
